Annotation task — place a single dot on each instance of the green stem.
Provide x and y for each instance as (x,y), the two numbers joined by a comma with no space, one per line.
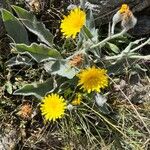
(140,46)
(107,39)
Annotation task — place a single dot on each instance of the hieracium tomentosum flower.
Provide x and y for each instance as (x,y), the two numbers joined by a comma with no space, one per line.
(125,15)
(93,79)
(53,107)
(77,99)
(73,23)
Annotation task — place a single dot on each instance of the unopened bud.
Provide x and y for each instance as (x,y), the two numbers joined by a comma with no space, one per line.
(125,15)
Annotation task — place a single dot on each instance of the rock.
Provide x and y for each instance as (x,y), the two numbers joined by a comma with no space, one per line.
(105,9)
(142,27)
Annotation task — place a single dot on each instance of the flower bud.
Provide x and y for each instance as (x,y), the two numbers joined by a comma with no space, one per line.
(125,15)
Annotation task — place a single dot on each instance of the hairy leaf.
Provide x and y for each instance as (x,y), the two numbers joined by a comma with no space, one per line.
(61,68)
(19,60)
(39,52)
(34,26)
(14,27)
(38,90)
(113,47)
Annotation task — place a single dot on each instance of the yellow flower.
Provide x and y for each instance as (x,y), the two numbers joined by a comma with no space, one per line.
(53,107)
(93,79)
(72,24)
(77,100)
(125,15)
(124,8)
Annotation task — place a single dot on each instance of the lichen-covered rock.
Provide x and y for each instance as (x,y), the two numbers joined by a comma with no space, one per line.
(105,9)
(142,27)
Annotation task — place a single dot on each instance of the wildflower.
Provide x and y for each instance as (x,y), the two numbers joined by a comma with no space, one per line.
(124,8)
(72,24)
(126,17)
(93,79)
(77,100)
(25,111)
(76,60)
(128,20)
(53,107)
(100,100)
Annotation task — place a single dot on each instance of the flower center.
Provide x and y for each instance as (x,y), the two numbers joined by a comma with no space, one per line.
(93,80)
(124,8)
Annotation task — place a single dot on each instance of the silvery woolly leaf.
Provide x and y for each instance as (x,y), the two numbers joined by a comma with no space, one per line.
(100,100)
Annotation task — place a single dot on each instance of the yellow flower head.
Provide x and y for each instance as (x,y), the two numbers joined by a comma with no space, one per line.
(53,107)
(124,8)
(93,79)
(72,24)
(77,99)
